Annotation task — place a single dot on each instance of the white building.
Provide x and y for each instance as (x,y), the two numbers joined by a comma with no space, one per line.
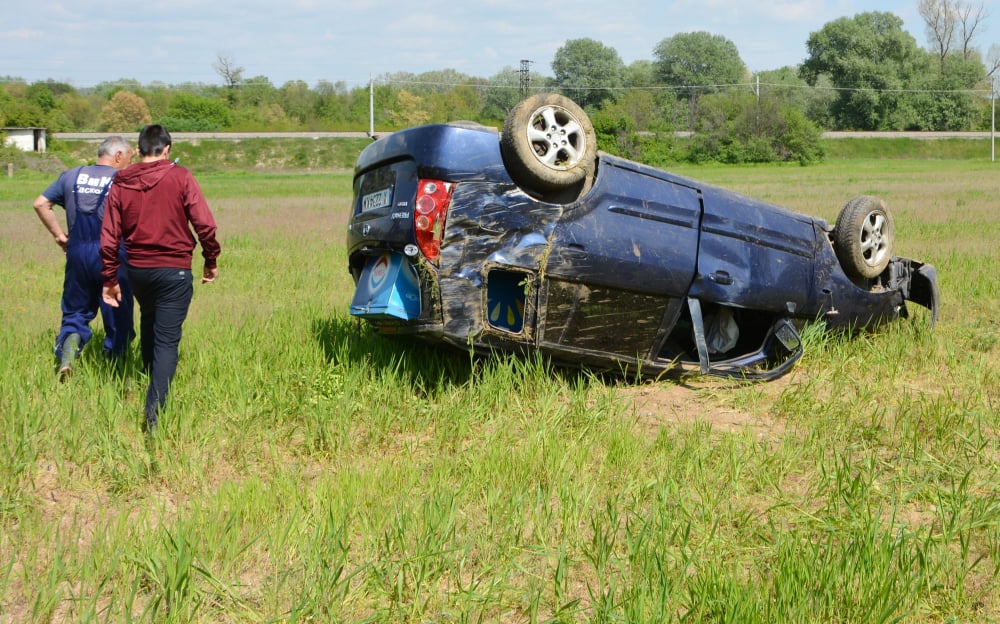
(26,139)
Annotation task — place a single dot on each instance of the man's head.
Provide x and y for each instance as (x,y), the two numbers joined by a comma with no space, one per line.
(154,140)
(115,151)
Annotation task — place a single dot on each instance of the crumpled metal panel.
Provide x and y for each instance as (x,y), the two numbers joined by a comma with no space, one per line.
(480,232)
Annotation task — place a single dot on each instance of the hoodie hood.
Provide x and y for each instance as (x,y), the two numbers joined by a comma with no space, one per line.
(143,176)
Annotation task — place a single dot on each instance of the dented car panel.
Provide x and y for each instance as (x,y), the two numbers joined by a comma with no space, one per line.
(644,271)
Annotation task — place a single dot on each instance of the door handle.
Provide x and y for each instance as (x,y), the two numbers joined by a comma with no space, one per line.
(576,251)
(722,278)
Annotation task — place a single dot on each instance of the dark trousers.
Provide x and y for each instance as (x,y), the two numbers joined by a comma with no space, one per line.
(164,296)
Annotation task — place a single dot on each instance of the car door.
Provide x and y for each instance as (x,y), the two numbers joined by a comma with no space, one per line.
(618,258)
(753,254)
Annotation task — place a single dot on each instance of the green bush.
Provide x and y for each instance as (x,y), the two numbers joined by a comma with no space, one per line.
(187,124)
(739,128)
(659,150)
(191,113)
(616,133)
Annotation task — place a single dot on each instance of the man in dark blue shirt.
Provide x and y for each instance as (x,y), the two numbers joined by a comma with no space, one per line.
(81,191)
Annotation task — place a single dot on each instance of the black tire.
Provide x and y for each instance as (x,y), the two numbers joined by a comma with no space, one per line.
(548,144)
(864,236)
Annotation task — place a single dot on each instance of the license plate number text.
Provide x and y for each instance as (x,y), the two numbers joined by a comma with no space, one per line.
(376,200)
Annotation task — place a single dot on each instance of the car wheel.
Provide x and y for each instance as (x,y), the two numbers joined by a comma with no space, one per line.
(548,144)
(863,237)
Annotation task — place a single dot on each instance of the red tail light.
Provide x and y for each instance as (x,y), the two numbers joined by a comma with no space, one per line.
(429,210)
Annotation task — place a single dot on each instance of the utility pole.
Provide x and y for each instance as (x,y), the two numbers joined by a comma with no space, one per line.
(371,107)
(756,92)
(524,78)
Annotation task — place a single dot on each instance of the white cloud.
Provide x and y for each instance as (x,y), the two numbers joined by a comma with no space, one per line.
(21,34)
(792,11)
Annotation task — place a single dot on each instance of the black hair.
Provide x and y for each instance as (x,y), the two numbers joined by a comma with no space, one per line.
(153,139)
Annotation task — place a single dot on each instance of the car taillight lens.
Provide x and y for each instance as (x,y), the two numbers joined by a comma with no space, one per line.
(429,212)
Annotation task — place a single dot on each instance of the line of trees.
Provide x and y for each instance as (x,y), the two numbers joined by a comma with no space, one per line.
(862,73)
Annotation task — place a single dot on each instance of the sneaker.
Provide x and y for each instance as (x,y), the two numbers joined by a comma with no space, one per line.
(70,349)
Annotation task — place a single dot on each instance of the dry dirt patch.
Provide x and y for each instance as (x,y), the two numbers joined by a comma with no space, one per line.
(656,405)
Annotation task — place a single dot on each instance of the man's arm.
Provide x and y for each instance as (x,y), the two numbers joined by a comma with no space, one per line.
(111,233)
(43,207)
(203,221)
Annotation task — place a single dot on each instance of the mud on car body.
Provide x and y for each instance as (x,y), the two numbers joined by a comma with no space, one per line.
(532,240)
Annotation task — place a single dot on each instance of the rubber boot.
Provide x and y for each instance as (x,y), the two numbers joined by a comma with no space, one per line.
(70,349)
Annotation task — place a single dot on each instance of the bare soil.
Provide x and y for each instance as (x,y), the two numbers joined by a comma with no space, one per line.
(669,403)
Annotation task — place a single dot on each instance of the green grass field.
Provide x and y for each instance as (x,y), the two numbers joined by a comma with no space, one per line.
(307,471)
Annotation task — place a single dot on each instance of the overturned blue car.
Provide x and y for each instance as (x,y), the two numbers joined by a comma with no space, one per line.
(532,240)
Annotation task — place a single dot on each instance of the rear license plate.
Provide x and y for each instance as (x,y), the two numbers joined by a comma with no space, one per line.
(376,200)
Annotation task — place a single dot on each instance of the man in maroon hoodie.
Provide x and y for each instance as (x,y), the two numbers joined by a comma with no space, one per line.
(153,205)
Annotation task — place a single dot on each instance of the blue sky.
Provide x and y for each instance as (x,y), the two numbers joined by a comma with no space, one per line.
(349,40)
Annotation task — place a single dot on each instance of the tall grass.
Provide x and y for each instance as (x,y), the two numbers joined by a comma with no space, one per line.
(309,471)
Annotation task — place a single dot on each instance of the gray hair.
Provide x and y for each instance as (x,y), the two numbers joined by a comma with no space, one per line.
(112,145)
